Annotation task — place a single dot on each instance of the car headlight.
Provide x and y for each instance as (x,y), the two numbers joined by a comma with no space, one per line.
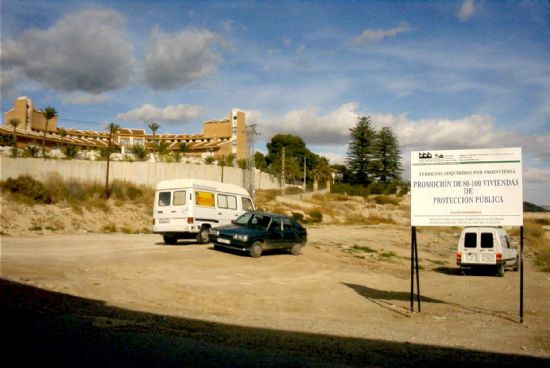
(240,237)
(214,232)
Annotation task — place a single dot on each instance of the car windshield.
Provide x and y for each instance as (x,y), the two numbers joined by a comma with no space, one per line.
(256,220)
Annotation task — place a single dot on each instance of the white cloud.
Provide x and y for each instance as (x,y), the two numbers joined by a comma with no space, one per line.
(536,175)
(370,36)
(168,115)
(329,129)
(83,99)
(85,51)
(466,10)
(332,130)
(177,59)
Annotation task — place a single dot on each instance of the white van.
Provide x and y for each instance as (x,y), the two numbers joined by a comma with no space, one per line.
(188,208)
(486,247)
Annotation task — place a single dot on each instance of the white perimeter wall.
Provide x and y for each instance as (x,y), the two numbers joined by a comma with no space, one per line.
(147,173)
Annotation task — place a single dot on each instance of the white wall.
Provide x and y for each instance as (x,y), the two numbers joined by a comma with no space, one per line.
(147,173)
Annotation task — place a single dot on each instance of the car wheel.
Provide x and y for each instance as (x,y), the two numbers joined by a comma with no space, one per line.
(500,270)
(202,236)
(296,249)
(516,264)
(170,240)
(256,250)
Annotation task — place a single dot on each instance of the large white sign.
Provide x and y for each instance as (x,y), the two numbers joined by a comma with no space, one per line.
(467,188)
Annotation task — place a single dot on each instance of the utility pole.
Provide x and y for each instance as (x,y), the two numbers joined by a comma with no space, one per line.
(305,160)
(251,164)
(283,172)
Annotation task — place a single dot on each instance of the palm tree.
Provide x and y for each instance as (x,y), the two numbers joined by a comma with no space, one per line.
(154,127)
(183,149)
(162,148)
(140,151)
(62,133)
(113,128)
(320,172)
(49,113)
(14,122)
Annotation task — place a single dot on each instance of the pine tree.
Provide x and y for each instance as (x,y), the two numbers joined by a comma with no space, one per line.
(387,150)
(361,151)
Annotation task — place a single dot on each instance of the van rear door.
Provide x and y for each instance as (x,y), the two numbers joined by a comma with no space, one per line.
(487,247)
(171,209)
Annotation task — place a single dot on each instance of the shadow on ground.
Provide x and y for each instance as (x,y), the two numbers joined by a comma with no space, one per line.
(49,328)
(384,298)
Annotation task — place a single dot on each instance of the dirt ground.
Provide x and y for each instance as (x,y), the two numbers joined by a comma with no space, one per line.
(349,281)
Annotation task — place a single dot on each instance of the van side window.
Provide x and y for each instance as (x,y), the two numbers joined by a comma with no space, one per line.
(227,201)
(247,204)
(164,199)
(205,199)
(470,240)
(486,240)
(507,240)
(179,198)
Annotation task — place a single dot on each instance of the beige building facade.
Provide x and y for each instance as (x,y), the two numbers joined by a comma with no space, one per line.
(219,138)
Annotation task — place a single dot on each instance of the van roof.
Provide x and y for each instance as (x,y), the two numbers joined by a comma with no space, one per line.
(201,184)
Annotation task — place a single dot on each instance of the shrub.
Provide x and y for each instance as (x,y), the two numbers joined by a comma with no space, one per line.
(27,190)
(298,216)
(315,216)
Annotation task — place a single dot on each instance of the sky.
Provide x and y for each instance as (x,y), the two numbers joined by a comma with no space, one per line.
(442,74)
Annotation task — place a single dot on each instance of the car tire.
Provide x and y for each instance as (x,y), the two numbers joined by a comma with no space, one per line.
(170,240)
(296,249)
(500,270)
(203,235)
(256,250)
(516,264)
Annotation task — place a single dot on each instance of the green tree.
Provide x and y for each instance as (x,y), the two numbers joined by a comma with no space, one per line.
(209,160)
(388,163)
(295,151)
(162,149)
(62,133)
(361,157)
(14,122)
(140,151)
(49,113)
(259,161)
(242,163)
(70,151)
(154,127)
(113,129)
(321,171)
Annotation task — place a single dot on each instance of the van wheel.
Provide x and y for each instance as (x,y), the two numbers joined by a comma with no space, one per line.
(202,236)
(256,250)
(296,249)
(500,270)
(516,264)
(170,240)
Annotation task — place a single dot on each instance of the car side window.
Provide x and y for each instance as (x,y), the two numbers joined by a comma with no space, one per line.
(276,224)
(288,225)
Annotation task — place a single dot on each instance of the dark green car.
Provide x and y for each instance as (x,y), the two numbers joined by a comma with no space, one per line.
(254,232)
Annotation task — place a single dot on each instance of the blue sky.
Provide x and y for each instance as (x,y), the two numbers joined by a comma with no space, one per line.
(441,74)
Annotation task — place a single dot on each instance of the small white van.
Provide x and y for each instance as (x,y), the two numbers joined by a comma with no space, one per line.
(486,247)
(188,208)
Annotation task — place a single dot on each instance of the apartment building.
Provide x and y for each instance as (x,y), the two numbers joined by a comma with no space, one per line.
(218,137)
